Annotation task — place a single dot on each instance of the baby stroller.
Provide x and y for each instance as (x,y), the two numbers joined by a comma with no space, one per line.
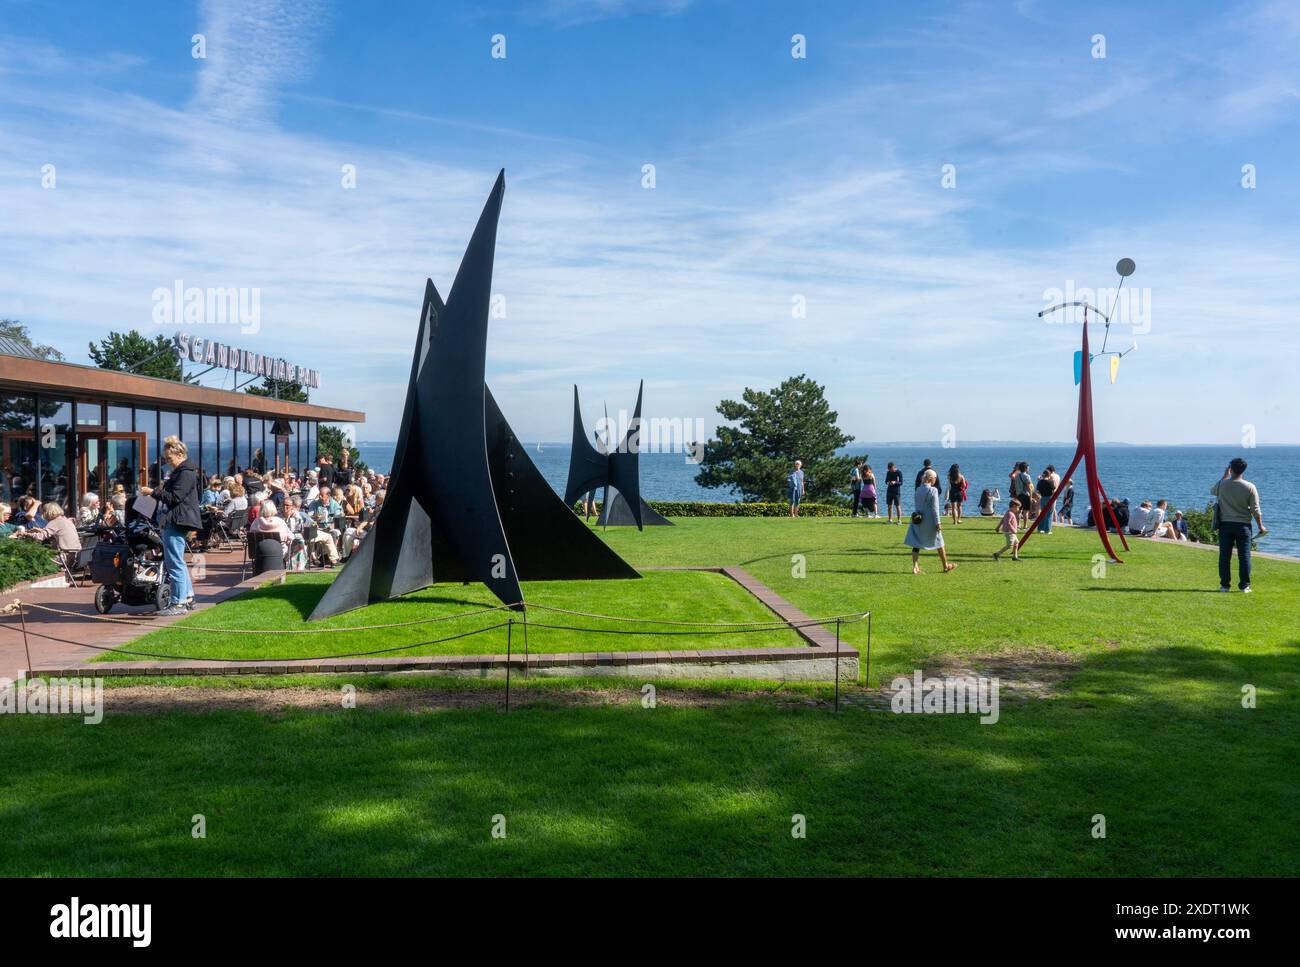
(127,564)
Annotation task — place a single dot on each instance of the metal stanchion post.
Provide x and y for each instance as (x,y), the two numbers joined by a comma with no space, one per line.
(22,616)
(837,664)
(868,649)
(510,629)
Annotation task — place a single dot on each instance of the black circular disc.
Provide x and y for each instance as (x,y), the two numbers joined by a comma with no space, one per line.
(1125,267)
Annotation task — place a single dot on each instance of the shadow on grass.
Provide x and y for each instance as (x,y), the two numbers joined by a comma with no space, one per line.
(680,790)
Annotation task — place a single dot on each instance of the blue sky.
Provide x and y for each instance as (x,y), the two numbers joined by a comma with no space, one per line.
(776,178)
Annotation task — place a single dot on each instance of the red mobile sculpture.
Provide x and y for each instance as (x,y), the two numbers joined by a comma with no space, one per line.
(1087,448)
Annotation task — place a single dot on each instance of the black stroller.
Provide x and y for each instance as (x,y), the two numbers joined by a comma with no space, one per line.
(127,564)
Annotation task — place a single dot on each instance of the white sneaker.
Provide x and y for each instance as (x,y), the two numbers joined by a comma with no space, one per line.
(1246,589)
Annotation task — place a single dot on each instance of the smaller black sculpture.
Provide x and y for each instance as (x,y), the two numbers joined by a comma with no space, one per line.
(616,470)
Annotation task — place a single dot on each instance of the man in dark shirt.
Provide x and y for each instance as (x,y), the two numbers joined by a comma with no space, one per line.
(893,493)
(925,465)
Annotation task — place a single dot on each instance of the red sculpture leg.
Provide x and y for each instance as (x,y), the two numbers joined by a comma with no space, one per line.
(1115,520)
(1078,455)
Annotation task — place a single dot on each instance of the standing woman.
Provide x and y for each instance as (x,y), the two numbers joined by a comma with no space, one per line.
(179,495)
(925,533)
(956,491)
(869,491)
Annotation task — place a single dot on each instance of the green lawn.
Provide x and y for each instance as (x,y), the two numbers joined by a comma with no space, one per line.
(659,595)
(1149,731)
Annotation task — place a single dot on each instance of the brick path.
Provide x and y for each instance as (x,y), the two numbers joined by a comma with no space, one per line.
(222,580)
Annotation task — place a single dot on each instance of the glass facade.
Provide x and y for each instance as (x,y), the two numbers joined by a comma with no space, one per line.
(61,448)
(226,445)
(119,419)
(21,460)
(146,422)
(190,434)
(208,446)
(54,439)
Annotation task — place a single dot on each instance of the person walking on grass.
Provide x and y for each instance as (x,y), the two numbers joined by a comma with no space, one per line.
(796,486)
(925,533)
(957,485)
(1238,505)
(893,493)
(1009,527)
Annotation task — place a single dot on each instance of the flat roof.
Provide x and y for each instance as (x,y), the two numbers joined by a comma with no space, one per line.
(78,382)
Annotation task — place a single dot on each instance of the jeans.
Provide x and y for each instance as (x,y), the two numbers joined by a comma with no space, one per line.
(1046,526)
(178,575)
(1234,535)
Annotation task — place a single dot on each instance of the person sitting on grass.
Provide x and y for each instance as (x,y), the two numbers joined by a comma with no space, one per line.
(986,504)
(1009,527)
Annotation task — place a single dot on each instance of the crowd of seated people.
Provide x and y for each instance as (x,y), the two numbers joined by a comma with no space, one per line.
(318,517)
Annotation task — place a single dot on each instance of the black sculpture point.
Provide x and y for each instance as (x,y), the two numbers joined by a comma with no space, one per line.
(617,470)
(464,500)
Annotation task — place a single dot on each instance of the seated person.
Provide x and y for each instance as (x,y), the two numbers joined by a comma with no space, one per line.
(59,531)
(88,512)
(322,543)
(1138,518)
(271,524)
(1158,525)
(238,499)
(211,493)
(29,513)
(6,529)
(986,505)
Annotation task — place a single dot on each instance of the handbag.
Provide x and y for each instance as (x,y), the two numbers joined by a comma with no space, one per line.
(1214,518)
(917,517)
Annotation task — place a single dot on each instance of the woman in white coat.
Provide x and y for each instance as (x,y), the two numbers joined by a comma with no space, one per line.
(925,533)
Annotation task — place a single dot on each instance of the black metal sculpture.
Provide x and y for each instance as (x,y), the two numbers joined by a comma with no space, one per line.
(464,500)
(615,470)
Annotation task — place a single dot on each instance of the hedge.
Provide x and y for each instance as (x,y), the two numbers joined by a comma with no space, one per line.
(24,560)
(701,508)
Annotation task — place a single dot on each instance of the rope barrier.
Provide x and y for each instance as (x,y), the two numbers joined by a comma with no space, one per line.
(261,631)
(774,623)
(354,654)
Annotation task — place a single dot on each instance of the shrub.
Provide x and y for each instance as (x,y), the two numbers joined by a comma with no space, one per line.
(22,560)
(703,508)
(1199,524)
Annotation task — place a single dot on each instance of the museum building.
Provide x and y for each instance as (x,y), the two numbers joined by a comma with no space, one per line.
(70,429)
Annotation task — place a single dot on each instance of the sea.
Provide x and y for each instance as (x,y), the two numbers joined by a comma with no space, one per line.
(1180,474)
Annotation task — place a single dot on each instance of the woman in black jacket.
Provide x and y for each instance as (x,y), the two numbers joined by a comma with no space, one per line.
(179,496)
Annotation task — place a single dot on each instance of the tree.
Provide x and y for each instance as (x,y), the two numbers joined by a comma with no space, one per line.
(15,330)
(131,352)
(16,411)
(791,422)
(280,389)
(330,441)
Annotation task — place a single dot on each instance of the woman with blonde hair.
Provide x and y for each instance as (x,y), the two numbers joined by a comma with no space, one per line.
(925,533)
(179,497)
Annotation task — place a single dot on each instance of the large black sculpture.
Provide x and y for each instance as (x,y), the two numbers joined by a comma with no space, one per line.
(617,470)
(464,500)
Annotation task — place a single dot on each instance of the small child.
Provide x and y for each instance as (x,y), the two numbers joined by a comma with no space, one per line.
(1009,526)
(298,554)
